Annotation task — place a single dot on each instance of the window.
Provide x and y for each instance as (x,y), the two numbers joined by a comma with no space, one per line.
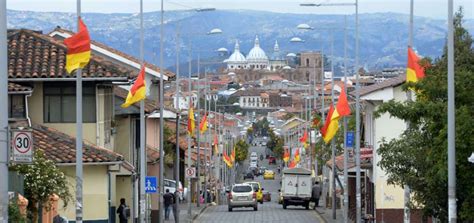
(16,106)
(307,62)
(59,104)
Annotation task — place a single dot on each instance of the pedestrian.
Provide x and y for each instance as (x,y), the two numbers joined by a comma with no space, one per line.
(316,194)
(123,211)
(59,219)
(168,201)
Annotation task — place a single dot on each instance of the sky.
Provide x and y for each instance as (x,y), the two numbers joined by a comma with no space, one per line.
(426,8)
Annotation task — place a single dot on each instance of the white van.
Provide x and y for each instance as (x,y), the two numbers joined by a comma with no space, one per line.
(296,187)
(253,156)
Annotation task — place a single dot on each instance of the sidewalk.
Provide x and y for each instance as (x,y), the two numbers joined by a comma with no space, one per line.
(183,212)
(326,214)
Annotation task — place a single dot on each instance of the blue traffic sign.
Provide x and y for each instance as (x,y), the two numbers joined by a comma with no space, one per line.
(150,184)
(349,139)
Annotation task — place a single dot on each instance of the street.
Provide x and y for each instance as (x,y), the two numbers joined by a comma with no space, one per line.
(268,211)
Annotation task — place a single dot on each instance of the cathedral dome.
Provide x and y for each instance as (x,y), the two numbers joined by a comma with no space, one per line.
(237,56)
(256,54)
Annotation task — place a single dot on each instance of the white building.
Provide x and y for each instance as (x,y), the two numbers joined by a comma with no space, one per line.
(253,99)
(256,59)
(184,100)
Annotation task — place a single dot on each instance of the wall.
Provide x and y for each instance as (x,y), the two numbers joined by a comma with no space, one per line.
(123,189)
(124,137)
(95,193)
(35,107)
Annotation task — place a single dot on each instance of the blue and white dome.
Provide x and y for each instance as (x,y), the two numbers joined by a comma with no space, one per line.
(256,54)
(237,59)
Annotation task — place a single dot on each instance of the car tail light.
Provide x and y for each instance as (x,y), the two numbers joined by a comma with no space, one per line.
(230,196)
(254,195)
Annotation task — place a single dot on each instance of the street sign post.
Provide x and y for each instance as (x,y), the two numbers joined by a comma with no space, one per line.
(350,139)
(190,172)
(22,146)
(150,184)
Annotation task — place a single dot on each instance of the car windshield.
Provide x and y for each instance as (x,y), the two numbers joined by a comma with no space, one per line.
(241,189)
(255,185)
(170,184)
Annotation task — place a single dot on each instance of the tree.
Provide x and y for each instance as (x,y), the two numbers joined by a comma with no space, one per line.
(275,144)
(241,150)
(418,158)
(42,180)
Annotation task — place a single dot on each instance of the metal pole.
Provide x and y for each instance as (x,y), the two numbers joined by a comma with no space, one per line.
(357,146)
(143,205)
(206,139)
(452,207)
(406,188)
(4,113)
(176,165)
(346,180)
(162,154)
(79,174)
(333,143)
(188,198)
(198,166)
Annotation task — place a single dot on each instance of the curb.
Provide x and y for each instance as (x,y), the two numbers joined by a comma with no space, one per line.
(321,218)
(200,212)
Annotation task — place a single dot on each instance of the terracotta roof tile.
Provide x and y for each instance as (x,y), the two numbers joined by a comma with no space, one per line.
(61,148)
(17,88)
(118,52)
(35,55)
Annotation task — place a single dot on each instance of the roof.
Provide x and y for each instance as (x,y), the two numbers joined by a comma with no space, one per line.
(32,55)
(248,92)
(297,170)
(392,82)
(61,148)
(14,88)
(58,30)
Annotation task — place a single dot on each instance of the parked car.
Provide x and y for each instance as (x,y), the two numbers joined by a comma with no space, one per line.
(249,175)
(269,174)
(242,195)
(258,189)
(171,185)
(271,160)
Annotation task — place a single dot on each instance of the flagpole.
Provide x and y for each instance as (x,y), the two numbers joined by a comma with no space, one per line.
(176,165)
(357,127)
(452,206)
(333,143)
(406,188)
(189,135)
(143,173)
(162,154)
(79,173)
(346,180)
(205,137)
(4,113)
(198,166)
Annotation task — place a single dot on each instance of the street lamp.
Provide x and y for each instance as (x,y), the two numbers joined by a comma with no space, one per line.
(296,40)
(215,31)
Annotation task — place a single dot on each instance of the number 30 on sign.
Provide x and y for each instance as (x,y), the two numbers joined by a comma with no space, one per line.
(22,146)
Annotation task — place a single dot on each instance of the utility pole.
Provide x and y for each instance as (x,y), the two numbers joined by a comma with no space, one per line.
(452,206)
(3,113)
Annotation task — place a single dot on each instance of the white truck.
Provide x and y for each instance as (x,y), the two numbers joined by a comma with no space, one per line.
(296,187)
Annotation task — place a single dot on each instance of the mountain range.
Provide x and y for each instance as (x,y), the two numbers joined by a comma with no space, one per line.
(383,36)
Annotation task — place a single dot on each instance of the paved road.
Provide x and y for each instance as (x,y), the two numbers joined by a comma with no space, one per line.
(267,212)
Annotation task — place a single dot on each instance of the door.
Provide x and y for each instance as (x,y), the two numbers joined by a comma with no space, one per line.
(290,185)
(304,186)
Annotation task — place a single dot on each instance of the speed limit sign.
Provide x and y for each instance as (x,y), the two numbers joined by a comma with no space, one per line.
(22,146)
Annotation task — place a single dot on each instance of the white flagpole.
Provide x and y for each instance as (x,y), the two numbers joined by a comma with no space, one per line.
(79,173)
(452,206)
(142,205)
(4,113)
(162,153)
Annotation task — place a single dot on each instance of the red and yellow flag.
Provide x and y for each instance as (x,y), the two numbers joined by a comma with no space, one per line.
(232,155)
(304,137)
(216,144)
(297,156)
(331,125)
(203,124)
(191,121)
(292,164)
(227,159)
(342,106)
(138,90)
(78,49)
(286,156)
(415,71)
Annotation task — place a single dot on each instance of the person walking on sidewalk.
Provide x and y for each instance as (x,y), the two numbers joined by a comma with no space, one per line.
(123,211)
(315,194)
(168,202)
